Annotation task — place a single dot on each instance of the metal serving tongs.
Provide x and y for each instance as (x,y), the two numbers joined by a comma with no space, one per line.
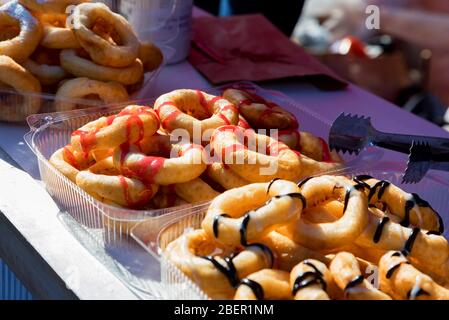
(421,160)
(352,133)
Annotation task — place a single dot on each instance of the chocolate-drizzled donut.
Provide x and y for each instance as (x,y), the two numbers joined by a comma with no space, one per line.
(266,284)
(216,269)
(309,280)
(346,273)
(345,230)
(406,208)
(243,215)
(403,281)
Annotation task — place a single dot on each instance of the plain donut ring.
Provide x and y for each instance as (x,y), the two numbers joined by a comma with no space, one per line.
(335,234)
(81,67)
(21,46)
(216,275)
(79,88)
(150,55)
(56,34)
(44,65)
(49,6)
(242,215)
(15,76)
(184,109)
(119,48)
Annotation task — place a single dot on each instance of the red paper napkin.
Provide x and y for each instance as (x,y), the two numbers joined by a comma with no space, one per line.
(249,47)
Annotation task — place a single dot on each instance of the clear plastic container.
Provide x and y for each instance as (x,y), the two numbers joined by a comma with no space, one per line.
(175,285)
(16,107)
(50,132)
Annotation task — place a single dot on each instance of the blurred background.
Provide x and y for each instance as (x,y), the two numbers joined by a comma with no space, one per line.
(401,55)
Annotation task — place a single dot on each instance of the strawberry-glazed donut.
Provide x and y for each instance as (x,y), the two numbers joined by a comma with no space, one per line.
(261,114)
(309,145)
(104,166)
(131,125)
(259,158)
(188,163)
(68,162)
(126,192)
(214,268)
(21,46)
(242,215)
(188,109)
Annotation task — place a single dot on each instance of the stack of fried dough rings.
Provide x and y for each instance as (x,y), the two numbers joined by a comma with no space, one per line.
(81,52)
(328,237)
(137,158)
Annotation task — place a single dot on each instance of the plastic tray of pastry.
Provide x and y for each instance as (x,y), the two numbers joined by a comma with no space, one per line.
(17,106)
(175,285)
(51,131)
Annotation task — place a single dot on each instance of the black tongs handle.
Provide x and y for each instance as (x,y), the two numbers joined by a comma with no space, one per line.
(403,142)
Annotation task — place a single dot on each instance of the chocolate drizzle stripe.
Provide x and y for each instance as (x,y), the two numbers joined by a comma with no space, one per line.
(347,196)
(243,230)
(216,223)
(230,273)
(298,196)
(363,177)
(310,264)
(417,201)
(307,279)
(410,241)
(424,204)
(409,204)
(420,292)
(271,183)
(382,186)
(390,271)
(354,282)
(379,229)
(255,288)
(303,182)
